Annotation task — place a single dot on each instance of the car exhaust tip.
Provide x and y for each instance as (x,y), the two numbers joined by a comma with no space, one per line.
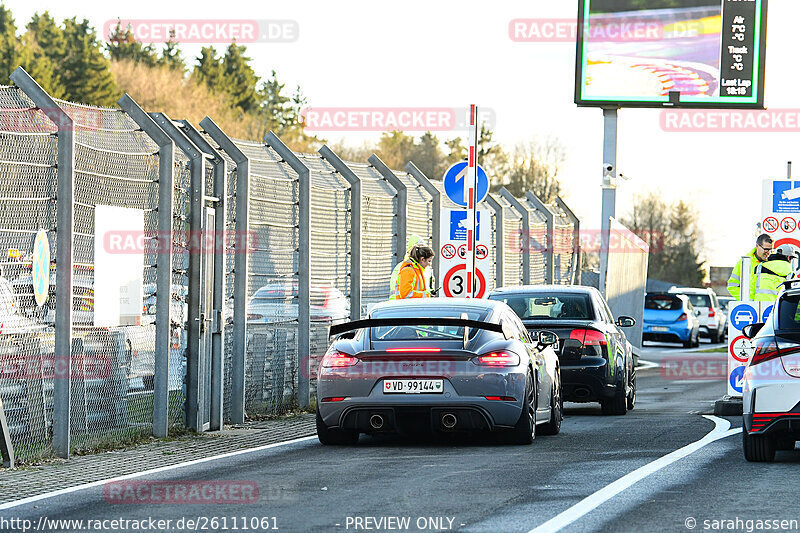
(449,420)
(376,421)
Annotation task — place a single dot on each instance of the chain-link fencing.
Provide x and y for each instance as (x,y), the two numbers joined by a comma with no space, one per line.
(113,332)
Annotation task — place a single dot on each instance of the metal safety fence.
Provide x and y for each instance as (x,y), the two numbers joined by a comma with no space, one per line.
(256,250)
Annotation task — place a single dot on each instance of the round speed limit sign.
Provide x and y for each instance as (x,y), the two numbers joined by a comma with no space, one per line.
(455,282)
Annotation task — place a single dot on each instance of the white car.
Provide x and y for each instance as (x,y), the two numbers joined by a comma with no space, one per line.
(771,381)
(712,319)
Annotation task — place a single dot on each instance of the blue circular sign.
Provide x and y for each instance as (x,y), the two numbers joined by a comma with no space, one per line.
(742,315)
(766,313)
(455,179)
(736,377)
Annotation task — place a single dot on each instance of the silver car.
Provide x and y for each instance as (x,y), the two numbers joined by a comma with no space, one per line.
(443,365)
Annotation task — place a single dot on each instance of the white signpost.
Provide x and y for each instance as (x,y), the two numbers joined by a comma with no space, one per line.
(464,252)
(454,252)
(780,211)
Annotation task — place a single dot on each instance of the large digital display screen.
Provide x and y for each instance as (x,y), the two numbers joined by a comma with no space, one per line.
(677,53)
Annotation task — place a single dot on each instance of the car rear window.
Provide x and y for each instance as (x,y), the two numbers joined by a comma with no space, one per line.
(788,314)
(662,302)
(700,300)
(544,306)
(404,333)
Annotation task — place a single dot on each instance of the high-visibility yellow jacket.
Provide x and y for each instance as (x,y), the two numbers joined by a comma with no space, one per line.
(735,281)
(410,281)
(769,276)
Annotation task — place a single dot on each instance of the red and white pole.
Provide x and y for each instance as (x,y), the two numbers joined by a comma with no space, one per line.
(470,187)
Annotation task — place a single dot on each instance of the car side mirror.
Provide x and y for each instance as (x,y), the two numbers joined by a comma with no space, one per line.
(751,330)
(547,338)
(625,322)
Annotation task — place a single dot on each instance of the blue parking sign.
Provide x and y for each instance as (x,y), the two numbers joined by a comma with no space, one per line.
(742,315)
(458,232)
(766,313)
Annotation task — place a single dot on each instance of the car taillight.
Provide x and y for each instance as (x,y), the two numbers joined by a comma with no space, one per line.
(682,317)
(765,349)
(711,312)
(498,359)
(588,337)
(337,359)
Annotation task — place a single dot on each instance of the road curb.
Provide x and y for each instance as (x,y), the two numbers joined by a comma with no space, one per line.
(728,406)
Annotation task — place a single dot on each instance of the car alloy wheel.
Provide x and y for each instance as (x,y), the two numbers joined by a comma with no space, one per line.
(525,429)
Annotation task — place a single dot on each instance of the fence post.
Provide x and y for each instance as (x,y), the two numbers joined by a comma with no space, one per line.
(166,168)
(526,230)
(355,227)
(220,184)
(64,245)
(549,236)
(401,216)
(576,240)
(194,398)
(436,196)
(303,267)
(499,240)
(240,266)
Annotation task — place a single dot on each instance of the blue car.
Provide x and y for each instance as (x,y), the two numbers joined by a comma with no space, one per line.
(670,318)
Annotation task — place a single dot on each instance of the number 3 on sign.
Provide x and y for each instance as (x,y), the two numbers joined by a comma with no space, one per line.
(455,283)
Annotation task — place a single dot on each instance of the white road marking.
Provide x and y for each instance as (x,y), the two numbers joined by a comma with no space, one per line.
(644,365)
(591,502)
(23,501)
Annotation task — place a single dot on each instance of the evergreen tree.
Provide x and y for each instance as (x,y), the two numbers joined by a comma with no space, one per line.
(240,79)
(428,156)
(209,69)
(122,45)
(9,45)
(85,72)
(171,55)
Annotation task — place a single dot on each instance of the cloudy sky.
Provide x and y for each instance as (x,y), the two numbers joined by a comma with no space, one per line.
(446,54)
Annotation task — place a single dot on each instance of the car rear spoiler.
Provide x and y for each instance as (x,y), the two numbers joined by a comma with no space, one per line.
(338,329)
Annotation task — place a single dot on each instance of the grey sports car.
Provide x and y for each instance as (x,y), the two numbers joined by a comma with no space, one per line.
(444,365)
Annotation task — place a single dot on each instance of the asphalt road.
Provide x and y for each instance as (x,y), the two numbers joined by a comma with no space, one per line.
(597,475)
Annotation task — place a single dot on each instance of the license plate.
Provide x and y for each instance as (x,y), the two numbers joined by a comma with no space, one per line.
(413,386)
(659,328)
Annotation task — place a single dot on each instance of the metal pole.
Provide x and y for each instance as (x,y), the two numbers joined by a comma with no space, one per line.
(166,168)
(240,266)
(194,396)
(303,267)
(499,239)
(355,227)
(526,230)
(220,184)
(549,237)
(401,215)
(436,198)
(609,189)
(64,245)
(576,240)
(744,282)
